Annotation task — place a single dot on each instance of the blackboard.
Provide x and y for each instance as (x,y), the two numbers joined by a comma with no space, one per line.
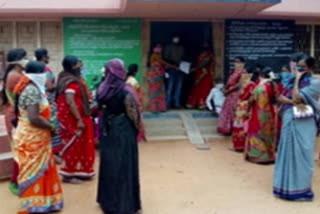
(266,42)
(97,40)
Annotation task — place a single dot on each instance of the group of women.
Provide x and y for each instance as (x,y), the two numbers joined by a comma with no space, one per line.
(31,93)
(203,75)
(275,119)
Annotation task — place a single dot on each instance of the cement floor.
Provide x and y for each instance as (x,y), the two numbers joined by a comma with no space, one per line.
(176,178)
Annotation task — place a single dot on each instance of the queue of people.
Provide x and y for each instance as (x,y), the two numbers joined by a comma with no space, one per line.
(51,130)
(274,118)
(50,125)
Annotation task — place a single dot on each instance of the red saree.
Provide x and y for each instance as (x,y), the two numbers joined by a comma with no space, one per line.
(157,91)
(78,152)
(260,146)
(241,116)
(225,122)
(203,81)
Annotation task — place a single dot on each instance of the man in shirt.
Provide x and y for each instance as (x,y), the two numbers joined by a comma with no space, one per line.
(174,54)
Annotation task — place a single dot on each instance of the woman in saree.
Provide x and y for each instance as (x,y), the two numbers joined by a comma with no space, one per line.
(118,185)
(39,183)
(42,55)
(239,135)
(231,91)
(77,131)
(156,77)
(261,133)
(16,62)
(294,167)
(132,81)
(203,77)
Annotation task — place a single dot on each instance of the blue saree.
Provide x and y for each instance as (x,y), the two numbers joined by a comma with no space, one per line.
(295,160)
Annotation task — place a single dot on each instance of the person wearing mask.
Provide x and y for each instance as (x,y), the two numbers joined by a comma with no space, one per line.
(42,55)
(118,184)
(132,81)
(40,189)
(285,75)
(261,133)
(231,91)
(17,61)
(174,54)
(77,130)
(242,113)
(203,78)
(83,69)
(294,59)
(294,166)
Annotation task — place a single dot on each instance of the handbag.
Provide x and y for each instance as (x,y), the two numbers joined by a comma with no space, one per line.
(307,113)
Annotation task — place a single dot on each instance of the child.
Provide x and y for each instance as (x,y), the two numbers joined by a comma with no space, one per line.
(216,98)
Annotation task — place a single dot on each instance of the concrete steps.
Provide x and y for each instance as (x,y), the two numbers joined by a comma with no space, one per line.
(196,126)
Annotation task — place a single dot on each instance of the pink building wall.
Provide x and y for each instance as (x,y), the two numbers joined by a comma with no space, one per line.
(295,8)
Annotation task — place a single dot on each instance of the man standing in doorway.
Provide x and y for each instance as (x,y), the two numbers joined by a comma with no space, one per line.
(174,54)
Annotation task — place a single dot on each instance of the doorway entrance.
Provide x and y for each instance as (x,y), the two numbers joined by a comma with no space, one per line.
(192,36)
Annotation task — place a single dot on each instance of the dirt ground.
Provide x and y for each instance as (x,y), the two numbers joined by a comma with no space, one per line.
(176,178)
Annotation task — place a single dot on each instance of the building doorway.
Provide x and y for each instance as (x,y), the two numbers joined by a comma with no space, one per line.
(192,36)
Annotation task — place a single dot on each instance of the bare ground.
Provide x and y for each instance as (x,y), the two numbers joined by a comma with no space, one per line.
(176,178)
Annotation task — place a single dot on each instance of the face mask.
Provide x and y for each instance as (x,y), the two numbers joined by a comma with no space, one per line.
(39,80)
(299,69)
(22,63)
(77,71)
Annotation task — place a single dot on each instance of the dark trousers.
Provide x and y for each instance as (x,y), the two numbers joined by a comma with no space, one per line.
(174,86)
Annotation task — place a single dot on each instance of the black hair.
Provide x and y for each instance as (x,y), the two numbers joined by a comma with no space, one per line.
(240,58)
(15,54)
(69,62)
(218,80)
(265,73)
(296,57)
(254,72)
(310,61)
(259,66)
(35,67)
(175,35)
(132,70)
(40,53)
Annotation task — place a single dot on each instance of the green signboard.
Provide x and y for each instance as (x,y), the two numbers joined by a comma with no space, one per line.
(97,40)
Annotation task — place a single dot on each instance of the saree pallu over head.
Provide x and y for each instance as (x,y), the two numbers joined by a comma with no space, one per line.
(295,160)
(203,78)
(64,79)
(39,185)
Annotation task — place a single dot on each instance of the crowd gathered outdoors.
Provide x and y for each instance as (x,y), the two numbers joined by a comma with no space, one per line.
(52,123)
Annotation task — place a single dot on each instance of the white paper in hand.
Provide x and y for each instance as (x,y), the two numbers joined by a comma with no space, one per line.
(185,67)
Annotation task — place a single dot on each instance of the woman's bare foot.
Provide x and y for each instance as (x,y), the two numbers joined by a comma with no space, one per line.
(72,180)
